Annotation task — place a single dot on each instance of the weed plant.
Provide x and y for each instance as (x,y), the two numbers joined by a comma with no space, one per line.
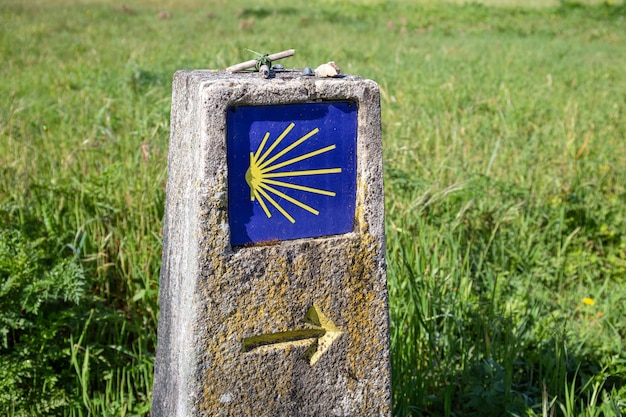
(505,169)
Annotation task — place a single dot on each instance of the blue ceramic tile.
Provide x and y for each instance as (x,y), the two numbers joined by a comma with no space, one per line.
(291,171)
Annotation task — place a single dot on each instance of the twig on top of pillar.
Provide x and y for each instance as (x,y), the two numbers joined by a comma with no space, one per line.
(262,63)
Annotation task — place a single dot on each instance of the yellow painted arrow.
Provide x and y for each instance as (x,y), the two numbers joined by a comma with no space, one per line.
(320,334)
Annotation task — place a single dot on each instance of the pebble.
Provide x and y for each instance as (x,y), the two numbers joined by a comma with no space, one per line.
(307,71)
(329,69)
(277,67)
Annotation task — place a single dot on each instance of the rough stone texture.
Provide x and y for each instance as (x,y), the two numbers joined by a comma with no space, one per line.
(212,295)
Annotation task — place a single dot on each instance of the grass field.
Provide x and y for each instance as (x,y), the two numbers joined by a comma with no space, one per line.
(505,168)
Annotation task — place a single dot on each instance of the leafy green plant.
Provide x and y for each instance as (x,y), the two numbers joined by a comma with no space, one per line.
(40,293)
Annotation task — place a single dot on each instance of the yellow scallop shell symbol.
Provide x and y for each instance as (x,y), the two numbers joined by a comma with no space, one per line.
(261,172)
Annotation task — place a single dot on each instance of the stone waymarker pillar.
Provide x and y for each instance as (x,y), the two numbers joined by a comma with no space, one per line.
(273,286)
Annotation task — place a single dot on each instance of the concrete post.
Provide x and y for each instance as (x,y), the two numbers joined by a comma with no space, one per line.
(273,286)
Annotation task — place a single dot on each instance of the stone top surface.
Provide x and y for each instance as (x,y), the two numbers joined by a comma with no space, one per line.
(282,74)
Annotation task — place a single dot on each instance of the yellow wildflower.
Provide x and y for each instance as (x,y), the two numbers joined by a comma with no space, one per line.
(588,301)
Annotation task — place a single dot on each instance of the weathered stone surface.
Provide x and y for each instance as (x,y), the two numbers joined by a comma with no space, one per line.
(217,300)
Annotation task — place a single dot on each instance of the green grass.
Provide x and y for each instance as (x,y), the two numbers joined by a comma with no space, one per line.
(505,169)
